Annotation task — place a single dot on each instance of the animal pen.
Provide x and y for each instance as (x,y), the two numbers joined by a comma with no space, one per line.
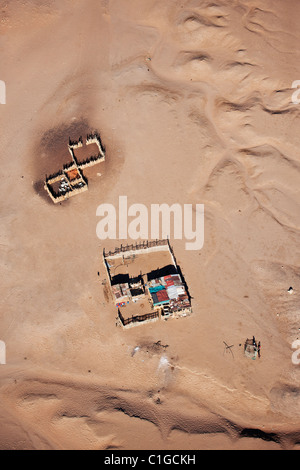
(146,283)
(70,180)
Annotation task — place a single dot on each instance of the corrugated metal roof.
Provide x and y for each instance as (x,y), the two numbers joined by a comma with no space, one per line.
(162,295)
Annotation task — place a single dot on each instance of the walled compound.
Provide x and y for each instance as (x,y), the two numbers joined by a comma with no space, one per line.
(70,180)
(146,276)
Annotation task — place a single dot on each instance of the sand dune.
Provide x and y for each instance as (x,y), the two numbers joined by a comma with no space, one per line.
(193,100)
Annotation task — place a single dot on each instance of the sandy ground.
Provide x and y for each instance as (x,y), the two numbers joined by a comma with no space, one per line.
(193,102)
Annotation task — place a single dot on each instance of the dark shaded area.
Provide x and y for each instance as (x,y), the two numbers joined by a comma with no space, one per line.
(125,278)
(259,434)
(86,154)
(184,283)
(38,187)
(120,279)
(136,292)
(166,271)
(52,152)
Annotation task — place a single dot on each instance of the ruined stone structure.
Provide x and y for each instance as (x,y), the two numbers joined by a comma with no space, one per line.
(164,289)
(70,180)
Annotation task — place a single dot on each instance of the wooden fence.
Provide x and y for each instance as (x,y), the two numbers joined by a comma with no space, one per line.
(138,246)
(138,318)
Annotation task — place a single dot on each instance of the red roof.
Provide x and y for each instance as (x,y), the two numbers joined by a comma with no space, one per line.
(162,295)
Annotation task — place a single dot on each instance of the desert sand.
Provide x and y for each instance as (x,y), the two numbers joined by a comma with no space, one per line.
(193,101)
